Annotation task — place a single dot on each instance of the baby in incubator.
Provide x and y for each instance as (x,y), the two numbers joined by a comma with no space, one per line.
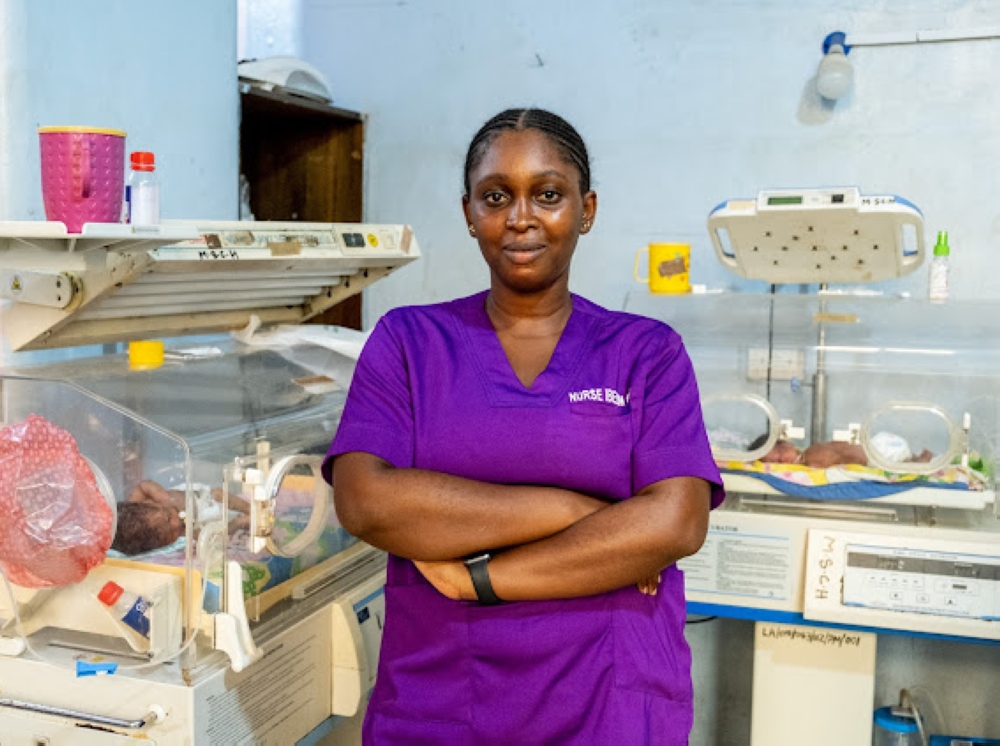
(836,453)
(153,517)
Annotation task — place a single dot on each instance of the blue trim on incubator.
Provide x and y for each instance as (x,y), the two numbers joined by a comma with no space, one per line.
(368,599)
(902,201)
(793,617)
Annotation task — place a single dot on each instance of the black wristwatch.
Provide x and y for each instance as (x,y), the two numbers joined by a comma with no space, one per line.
(480,574)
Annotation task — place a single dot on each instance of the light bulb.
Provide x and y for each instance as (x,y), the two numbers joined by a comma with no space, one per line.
(835,74)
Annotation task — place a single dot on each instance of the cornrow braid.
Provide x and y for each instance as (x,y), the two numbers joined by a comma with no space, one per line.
(560,132)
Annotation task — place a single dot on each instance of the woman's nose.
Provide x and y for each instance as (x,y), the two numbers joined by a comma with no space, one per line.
(521,214)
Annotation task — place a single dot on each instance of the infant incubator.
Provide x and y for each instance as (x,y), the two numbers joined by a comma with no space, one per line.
(262,621)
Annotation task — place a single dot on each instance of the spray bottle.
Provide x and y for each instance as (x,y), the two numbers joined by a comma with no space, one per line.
(938,280)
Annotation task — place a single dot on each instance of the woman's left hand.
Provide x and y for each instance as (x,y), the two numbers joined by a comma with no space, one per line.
(450,577)
(649,586)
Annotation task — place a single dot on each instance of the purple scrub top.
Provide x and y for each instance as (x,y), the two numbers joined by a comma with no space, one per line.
(616,409)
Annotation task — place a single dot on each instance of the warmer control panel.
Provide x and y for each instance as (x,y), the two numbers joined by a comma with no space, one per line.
(941,582)
(922,581)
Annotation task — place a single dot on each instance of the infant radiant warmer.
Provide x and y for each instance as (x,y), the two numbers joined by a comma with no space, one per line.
(908,387)
(262,634)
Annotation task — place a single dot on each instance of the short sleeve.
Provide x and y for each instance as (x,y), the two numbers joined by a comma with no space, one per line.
(378,415)
(671,440)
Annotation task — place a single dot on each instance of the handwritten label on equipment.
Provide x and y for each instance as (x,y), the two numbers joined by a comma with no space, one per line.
(811,635)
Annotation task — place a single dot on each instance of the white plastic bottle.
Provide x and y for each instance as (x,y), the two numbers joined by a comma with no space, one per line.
(937,289)
(127,607)
(142,191)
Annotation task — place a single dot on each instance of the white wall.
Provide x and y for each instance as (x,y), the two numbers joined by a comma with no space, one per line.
(162,70)
(683,105)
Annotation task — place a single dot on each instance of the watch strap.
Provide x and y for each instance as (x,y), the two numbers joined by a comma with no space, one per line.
(480,573)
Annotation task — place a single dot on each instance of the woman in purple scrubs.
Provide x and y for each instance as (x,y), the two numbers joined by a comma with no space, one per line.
(534,465)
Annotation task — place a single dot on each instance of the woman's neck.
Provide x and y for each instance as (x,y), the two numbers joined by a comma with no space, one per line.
(532,315)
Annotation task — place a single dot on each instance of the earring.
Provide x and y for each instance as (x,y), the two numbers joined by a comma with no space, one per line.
(586,225)
(472,230)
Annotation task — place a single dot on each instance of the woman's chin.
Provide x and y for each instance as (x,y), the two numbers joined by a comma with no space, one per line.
(527,280)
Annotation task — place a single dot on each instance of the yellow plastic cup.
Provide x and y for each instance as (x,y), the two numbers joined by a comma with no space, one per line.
(145,354)
(669,265)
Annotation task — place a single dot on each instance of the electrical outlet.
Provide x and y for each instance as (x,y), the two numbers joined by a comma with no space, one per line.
(784,364)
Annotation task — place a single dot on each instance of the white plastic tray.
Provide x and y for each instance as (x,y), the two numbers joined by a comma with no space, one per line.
(53,236)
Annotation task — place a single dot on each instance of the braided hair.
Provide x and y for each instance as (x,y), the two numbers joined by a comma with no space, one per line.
(560,132)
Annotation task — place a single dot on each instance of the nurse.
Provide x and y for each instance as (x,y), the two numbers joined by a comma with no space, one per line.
(527,458)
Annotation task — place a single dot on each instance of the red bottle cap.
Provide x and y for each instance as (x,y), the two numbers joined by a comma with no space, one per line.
(110,593)
(143,161)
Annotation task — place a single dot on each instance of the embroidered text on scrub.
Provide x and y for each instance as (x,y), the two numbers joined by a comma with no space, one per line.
(599,394)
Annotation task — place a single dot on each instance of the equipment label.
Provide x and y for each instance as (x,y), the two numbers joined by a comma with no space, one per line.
(737,564)
(275,701)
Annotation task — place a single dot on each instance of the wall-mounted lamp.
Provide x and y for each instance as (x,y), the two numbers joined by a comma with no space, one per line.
(835,74)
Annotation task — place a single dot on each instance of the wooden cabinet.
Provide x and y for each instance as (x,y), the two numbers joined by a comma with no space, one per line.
(303,160)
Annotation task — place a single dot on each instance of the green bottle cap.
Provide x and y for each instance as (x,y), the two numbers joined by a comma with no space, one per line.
(941,248)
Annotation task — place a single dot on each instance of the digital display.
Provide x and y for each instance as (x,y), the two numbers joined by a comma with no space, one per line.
(784,200)
(354,240)
(889,563)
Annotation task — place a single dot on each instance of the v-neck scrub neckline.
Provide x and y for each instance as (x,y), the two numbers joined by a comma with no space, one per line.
(499,378)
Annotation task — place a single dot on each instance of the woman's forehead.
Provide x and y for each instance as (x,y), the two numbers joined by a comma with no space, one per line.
(523,151)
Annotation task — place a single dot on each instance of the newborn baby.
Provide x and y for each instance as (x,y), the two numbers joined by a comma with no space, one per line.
(152,518)
(836,453)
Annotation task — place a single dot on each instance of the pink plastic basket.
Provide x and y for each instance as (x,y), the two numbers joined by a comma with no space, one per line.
(83,174)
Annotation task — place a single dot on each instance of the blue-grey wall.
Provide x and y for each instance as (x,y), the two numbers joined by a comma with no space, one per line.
(162,70)
(683,105)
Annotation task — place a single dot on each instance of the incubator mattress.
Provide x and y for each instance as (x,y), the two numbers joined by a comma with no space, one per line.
(851,481)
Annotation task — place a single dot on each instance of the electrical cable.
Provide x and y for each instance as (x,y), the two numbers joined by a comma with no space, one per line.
(938,724)
(906,700)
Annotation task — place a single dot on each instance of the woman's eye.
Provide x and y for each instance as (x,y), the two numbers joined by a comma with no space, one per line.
(549,196)
(494,198)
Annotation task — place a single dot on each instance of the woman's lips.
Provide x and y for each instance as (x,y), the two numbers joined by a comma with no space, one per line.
(523,253)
